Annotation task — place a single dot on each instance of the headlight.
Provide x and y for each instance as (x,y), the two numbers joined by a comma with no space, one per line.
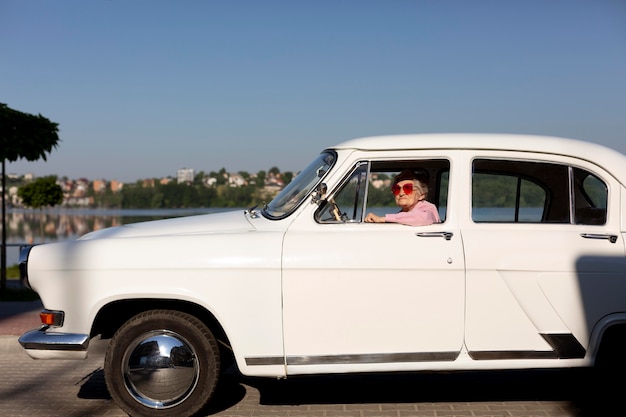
(23,264)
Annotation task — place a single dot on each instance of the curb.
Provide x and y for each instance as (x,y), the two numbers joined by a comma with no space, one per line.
(10,346)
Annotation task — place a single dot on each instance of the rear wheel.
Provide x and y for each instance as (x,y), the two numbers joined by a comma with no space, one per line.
(611,356)
(162,363)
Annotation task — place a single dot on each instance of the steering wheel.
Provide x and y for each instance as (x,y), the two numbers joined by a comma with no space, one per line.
(335,209)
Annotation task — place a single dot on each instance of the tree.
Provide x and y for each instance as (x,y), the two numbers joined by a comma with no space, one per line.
(287,177)
(274,171)
(260,179)
(199,178)
(245,175)
(43,192)
(27,136)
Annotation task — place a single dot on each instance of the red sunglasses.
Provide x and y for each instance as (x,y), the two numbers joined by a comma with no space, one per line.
(407,188)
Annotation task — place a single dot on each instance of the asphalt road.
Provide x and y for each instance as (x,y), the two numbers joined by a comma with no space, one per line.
(76,388)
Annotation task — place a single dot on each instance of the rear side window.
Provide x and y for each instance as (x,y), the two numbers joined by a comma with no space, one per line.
(590,198)
(536,192)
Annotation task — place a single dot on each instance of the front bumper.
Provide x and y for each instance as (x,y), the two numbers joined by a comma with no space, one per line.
(40,344)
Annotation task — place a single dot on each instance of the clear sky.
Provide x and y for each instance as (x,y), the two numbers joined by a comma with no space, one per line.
(142,88)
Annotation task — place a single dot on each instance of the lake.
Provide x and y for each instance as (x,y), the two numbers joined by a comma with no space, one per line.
(26,226)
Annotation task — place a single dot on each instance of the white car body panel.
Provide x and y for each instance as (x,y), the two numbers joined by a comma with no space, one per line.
(363,313)
(146,264)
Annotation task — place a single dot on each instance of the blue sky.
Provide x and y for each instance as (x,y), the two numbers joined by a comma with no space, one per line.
(142,88)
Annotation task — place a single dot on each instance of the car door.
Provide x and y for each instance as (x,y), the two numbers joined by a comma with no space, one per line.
(366,296)
(544,256)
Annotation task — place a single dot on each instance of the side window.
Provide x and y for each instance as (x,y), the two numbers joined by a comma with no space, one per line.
(347,204)
(536,192)
(368,189)
(380,199)
(519,192)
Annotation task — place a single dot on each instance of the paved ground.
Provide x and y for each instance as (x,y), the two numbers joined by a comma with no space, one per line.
(76,388)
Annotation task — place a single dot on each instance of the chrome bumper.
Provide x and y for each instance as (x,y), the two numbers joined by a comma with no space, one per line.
(42,345)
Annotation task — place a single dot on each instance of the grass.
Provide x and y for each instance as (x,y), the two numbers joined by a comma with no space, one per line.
(13,271)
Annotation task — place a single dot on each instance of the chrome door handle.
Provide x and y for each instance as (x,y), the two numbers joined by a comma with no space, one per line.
(610,238)
(445,235)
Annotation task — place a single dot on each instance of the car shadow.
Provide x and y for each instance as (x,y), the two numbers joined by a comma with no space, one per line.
(228,393)
(586,392)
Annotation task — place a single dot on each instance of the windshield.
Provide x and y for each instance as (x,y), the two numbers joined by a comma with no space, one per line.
(300,187)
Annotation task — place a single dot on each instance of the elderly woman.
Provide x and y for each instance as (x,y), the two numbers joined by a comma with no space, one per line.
(410,192)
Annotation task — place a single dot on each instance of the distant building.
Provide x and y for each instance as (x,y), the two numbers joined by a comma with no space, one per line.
(236,180)
(80,188)
(116,186)
(99,185)
(185,176)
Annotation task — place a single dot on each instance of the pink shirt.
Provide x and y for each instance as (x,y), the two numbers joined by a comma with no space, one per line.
(424,213)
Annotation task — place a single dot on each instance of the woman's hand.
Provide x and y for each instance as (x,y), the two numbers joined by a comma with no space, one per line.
(372,218)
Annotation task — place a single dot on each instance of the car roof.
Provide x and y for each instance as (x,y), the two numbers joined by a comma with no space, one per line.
(610,159)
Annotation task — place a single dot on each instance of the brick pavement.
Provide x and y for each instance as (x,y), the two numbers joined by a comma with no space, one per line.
(76,388)
(18,316)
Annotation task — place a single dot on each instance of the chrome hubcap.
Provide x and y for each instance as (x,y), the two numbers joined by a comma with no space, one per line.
(160,369)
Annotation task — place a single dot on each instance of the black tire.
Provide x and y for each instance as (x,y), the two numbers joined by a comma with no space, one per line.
(162,363)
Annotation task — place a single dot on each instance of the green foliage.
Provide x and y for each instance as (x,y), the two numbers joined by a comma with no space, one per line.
(274,171)
(24,135)
(260,179)
(174,195)
(380,197)
(43,192)
(106,199)
(287,177)
(501,191)
(13,271)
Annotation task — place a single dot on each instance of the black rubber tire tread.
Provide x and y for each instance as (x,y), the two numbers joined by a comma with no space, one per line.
(188,326)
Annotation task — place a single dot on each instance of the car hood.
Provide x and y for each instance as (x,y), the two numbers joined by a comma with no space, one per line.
(223,222)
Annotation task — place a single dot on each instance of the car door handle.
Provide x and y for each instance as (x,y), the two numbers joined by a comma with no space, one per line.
(445,235)
(610,238)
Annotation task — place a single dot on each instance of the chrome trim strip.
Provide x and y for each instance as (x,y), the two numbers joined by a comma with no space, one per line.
(348,359)
(40,340)
(372,358)
(565,346)
(269,360)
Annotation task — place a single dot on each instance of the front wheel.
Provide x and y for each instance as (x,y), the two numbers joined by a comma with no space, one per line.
(162,363)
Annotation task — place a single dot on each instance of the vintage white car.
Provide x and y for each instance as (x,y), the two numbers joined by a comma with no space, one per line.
(527,269)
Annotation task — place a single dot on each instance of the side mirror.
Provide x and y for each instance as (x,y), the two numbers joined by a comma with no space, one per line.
(319,194)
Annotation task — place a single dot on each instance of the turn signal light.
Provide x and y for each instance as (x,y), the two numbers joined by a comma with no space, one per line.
(52,318)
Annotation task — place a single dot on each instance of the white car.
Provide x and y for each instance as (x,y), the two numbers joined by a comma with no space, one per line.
(527,269)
